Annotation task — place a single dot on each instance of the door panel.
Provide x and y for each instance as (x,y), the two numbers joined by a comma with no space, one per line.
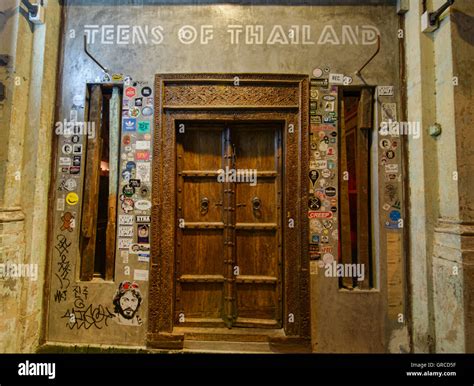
(200,268)
(257,227)
(228,267)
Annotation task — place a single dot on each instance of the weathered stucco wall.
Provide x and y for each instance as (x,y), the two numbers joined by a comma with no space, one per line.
(342,321)
(27,116)
(441,218)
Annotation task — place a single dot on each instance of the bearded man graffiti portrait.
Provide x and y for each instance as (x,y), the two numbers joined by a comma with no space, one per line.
(127,302)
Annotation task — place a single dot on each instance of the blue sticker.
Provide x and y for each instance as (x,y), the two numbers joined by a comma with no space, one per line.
(129,124)
(131,165)
(315,239)
(395,215)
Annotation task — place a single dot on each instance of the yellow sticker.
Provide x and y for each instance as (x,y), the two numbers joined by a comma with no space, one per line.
(117,77)
(72,199)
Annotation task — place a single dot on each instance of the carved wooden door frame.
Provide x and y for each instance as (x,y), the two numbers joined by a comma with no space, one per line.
(231,97)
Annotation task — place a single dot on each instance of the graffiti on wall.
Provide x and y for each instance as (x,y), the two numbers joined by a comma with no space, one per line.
(127,302)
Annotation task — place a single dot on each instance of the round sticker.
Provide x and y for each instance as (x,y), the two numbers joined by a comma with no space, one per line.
(72,199)
(317,73)
(323,146)
(330,191)
(385,143)
(143,205)
(390,154)
(134,112)
(147,111)
(395,215)
(126,140)
(131,165)
(328,258)
(146,91)
(67,148)
(314,203)
(128,191)
(144,191)
(326,173)
(75,139)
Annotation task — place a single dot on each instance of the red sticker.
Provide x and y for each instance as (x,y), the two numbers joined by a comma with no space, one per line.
(130,92)
(313,214)
(142,155)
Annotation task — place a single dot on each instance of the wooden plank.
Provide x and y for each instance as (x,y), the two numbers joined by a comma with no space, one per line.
(257,226)
(114,134)
(201,278)
(256,279)
(363,186)
(91,187)
(345,236)
(203,225)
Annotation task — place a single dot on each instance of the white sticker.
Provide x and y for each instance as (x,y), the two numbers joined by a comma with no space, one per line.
(143,171)
(140,275)
(125,243)
(65,161)
(389,112)
(124,256)
(60,204)
(385,90)
(313,267)
(386,207)
(142,145)
(336,78)
(125,231)
(142,204)
(125,219)
(144,257)
(391,168)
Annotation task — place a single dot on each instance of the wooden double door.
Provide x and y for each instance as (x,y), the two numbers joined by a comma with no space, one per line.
(228,266)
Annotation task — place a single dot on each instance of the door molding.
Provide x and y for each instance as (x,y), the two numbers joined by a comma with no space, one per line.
(230,97)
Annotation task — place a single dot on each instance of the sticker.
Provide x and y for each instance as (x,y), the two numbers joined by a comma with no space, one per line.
(385,144)
(314,253)
(317,73)
(143,171)
(315,239)
(143,204)
(142,219)
(124,243)
(147,111)
(131,165)
(146,91)
(391,168)
(321,164)
(125,219)
(326,173)
(331,151)
(329,98)
(77,149)
(390,154)
(129,124)
(140,275)
(314,203)
(395,215)
(137,248)
(336,79)
(328,258)
(385,90)
(67,148)
(144,190)
(134,112)
(139,103)
(74,170)
(142,145)
(130,92)
(347,80)
(69,185)
(126,175)
(128,191)
(313,267)
(117,77)
(142,155)
(144,257)
(320,82)
(389,112)
(327,224)
(329,106)
(64,161)
(386,207)
(143,232)
(76,160)
(124,256)
(127,205)
(77,100)
(319,214)
(60,204)
(313,176)
(134,183)
(72,199)
(335,234)
(143,127)
(330,191)
(125,231)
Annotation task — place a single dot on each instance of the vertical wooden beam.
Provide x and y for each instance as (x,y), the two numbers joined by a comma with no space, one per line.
(91,186)
(363,185)
(114,134)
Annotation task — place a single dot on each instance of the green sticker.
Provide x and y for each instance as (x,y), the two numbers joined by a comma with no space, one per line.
(143,127)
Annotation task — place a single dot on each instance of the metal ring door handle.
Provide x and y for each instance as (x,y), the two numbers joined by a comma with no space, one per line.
(204,205)
(256,203)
